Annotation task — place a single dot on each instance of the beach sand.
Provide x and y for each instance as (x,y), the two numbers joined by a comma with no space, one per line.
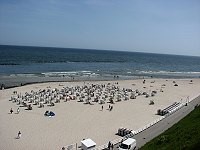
(75,121)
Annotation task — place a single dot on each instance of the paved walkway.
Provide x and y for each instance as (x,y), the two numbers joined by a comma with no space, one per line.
(152,132)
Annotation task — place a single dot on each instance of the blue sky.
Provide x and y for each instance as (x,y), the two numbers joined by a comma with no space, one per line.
(156,26)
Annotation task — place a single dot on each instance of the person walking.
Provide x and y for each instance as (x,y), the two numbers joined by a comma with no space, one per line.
(19,135)
(109,145)
(18,110)
(111,107)
(112,146)
(11,111)
(102,107)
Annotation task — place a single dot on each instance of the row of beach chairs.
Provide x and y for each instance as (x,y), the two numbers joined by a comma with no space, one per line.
(168,109)
(123,131)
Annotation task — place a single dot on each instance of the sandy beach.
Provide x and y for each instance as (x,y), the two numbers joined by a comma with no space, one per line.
(75,120)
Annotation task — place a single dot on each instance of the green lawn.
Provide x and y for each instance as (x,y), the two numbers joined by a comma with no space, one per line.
(185,135)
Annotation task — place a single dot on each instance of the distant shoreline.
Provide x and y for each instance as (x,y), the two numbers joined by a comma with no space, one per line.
(16,81)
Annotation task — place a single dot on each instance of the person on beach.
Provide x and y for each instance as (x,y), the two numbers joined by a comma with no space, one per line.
(102,107)
(144,81)
(121,141)
(111,107)
(109,145)
(18,110)
(19,135)
(63,148)
(11,111)
(2,87)
(112,146)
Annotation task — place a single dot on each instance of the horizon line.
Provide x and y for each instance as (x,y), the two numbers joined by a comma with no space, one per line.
(100,50)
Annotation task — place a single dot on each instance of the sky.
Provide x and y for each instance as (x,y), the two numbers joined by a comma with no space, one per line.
(154,26)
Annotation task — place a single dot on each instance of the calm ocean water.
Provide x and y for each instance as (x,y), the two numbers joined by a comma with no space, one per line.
(43,61)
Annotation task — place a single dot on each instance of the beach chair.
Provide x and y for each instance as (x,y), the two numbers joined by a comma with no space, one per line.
(52,104)
(29,107)
(41,105)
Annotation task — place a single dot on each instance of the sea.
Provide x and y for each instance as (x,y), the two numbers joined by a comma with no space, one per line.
(71,62)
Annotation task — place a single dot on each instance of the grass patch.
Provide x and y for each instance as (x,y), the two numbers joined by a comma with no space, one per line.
(184,135)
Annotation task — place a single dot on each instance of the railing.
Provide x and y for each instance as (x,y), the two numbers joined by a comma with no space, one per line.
(143,128)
